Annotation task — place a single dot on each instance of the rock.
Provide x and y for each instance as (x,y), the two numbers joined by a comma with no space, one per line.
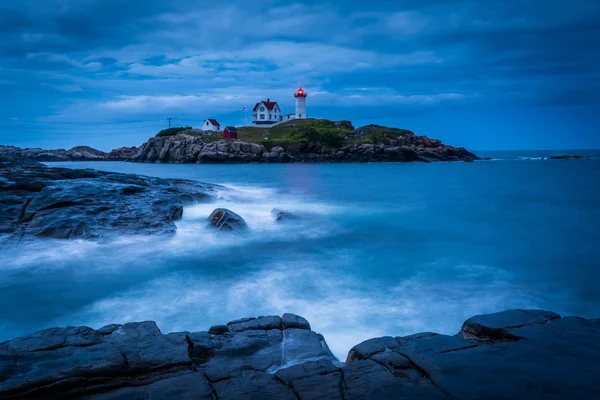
(468,159)
(223,219)
(281,215)
(123,153)
(344,124)
(498,326)
(294,321)
(218,329)
(568,157)
(73,203)
(78,153)
(510,355)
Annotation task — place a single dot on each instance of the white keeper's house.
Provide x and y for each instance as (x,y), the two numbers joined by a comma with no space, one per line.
(268,112)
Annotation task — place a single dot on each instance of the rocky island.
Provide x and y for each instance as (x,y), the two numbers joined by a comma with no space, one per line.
(302,141)
(516,354)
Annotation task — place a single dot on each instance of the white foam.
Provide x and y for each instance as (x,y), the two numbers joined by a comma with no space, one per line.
(347,309)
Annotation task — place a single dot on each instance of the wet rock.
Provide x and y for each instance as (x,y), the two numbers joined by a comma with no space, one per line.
(568,157)
(78,153)
(62,203)
(281,215)
(554,358)
(218,329)
(498,326)
(223,219)
(294,321)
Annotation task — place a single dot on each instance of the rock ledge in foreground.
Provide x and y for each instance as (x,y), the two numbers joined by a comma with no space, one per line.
(528,354)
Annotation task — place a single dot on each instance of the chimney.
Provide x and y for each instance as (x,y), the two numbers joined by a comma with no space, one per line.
(268,100)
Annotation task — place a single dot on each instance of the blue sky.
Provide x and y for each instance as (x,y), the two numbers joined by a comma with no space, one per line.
(484,74)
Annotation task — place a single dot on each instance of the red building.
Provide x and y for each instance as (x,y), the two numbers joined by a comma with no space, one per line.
(230,132)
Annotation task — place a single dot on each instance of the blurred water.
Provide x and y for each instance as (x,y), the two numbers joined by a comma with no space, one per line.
(383,249)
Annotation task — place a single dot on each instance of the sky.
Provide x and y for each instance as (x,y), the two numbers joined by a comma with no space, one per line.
(483,74)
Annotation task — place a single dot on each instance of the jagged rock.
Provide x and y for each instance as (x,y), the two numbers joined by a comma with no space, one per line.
(281,215)
(529,354)
(568,157)
(223,219)
(78,153)
(344,124)
(218,329)
(74,203)
(123,153)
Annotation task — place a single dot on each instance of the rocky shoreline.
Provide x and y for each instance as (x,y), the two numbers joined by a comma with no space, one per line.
(185,149)
(63,203)
(529,354)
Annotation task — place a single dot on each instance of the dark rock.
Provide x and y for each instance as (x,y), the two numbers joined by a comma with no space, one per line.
(553,358)
(344,124)
(78,153)
(270,322)
(218,329)
(498,326)
(70,203)
(468,159)
(123,153)
(281,215)
(568,157)
(223,219)
(294,321)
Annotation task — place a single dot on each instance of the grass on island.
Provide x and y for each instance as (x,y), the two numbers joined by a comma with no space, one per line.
(310,130)
(173,131)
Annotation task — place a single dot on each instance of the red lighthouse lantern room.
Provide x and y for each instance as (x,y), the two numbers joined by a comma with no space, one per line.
(300,93)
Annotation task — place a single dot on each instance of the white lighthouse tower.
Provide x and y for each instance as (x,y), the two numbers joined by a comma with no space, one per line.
(300,96)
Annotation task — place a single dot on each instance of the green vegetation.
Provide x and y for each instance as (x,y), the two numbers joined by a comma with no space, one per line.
(319,131)
(173,131)
(374,133)
(294,132)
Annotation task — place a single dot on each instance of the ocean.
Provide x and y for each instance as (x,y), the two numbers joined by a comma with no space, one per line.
(380,249)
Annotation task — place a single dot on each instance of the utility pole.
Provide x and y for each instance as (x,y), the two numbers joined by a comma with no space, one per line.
(169,122)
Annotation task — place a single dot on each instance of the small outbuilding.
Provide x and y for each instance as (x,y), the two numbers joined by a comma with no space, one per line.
(211,125)
(230,132)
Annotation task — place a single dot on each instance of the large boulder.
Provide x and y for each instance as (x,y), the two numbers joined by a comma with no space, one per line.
(62,203)
(225,220)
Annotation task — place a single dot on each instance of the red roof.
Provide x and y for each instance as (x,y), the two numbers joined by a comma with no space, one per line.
(268,104)
(214,122)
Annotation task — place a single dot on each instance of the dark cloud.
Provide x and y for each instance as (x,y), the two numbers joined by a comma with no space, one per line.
(140,57)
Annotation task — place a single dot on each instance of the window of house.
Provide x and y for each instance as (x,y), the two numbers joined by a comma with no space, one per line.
(299,115)
(262,116)
(262,109)
(206,122)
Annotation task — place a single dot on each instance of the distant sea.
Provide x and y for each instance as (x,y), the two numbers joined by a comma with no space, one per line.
(381,249)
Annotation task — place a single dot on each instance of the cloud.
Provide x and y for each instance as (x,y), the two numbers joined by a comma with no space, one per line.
(137,56)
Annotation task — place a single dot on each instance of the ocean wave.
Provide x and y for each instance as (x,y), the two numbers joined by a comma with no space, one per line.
(420,303)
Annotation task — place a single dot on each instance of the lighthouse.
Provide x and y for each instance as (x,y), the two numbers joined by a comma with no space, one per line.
(300,96)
